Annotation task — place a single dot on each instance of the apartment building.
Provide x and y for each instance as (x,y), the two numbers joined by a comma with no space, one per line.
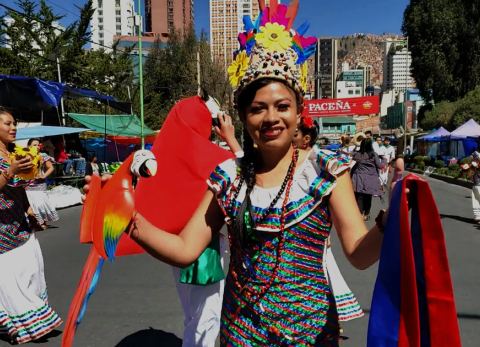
(226,21)
(397,62)
(111,18)
(326,68)
(165,16)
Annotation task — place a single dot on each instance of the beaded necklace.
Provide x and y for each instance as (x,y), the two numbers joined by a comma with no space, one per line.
(250,295)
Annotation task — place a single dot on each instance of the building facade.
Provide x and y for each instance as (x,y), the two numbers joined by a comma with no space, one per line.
(165,16)
(111,18)
(326,68)
(397,62)
(226,21)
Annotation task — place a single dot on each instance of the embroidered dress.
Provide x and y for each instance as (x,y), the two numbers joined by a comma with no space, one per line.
(42,206)
(298,308)
(24,312)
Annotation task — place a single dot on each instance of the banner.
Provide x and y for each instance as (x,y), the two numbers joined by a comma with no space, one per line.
(342,107)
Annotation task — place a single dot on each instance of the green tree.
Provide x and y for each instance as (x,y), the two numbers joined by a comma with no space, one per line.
(436,30)
(170,74)
(452,114)
(36,41)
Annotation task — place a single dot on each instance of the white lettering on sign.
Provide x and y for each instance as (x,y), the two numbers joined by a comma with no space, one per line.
(339,105)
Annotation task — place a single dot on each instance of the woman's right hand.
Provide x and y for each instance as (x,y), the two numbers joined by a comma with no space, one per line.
(22,165)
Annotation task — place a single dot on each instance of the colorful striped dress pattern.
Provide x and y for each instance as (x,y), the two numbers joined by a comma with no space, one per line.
(14,230)
(298,308)
(24,311)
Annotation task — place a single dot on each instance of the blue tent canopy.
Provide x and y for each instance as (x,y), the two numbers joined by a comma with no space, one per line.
(43,130)
(32,94)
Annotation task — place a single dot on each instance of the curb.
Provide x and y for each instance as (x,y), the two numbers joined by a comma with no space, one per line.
(447,179)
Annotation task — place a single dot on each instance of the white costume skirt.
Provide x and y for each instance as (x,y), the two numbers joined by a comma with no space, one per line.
(347,305)
(24,311)
(42,207)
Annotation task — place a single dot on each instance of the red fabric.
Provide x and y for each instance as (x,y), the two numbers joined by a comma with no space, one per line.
(185,157)
(444,329)
(442,316)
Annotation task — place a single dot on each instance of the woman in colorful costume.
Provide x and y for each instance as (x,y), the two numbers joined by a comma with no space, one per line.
(43,208)
(278,202)
(24,311)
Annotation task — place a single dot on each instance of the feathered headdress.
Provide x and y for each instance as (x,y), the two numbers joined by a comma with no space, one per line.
(269,47)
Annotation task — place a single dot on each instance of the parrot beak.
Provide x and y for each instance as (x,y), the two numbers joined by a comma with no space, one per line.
(151,167)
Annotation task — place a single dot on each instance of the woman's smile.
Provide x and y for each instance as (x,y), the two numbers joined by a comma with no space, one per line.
(271,133)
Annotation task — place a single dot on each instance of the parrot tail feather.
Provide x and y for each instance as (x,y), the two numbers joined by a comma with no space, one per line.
(88,282)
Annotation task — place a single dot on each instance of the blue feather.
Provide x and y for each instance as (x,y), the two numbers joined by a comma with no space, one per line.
(302,29)
(91,289)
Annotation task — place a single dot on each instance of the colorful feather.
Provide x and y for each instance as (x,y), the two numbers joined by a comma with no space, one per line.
(85,288)
(292,13)
(113,211)
(261,4)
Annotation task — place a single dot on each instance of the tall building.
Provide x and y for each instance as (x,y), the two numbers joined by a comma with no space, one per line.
(326,68)
(111,18)
(226,21)
(397,62)
(164,16)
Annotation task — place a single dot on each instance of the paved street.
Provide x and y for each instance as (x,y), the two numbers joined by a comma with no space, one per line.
(135,303)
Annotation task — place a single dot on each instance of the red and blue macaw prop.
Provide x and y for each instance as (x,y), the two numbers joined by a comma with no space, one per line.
(185,157)
(413,303)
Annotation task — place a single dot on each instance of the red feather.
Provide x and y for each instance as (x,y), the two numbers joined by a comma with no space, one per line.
(273,8)
(78,300)
(88,211)
(292,13)
(261,4)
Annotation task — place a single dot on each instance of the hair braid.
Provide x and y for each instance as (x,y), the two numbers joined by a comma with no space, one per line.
(247,164)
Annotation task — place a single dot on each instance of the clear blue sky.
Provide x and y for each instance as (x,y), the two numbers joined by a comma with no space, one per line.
(326,17)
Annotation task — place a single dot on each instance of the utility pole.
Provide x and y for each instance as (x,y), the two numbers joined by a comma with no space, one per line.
(140,69)
(199,81)
(405,99)
(61,97)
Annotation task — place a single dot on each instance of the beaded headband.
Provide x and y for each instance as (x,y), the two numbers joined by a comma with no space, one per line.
(270,48)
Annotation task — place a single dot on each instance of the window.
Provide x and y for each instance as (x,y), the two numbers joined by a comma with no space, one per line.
(100,27)
(350,92)
(119,27)
(100,12)
(117,3)
(100,20)
(101,42)
(118,12)
(100,35)
(100,3)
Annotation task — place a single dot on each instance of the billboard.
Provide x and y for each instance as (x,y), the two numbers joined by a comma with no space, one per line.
(342,107)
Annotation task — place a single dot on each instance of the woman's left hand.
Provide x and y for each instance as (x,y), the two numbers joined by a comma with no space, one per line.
(226,130)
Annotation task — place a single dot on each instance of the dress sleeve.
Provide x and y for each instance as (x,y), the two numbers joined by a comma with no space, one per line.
(334,163)
(222,177)
(329,166)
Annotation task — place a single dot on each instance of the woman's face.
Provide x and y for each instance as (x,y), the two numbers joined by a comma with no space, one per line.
(35,143)
(271,119)
(8,128)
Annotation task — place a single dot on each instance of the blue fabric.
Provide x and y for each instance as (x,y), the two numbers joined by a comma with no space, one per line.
(51,92)
(43,130)
(383,325)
